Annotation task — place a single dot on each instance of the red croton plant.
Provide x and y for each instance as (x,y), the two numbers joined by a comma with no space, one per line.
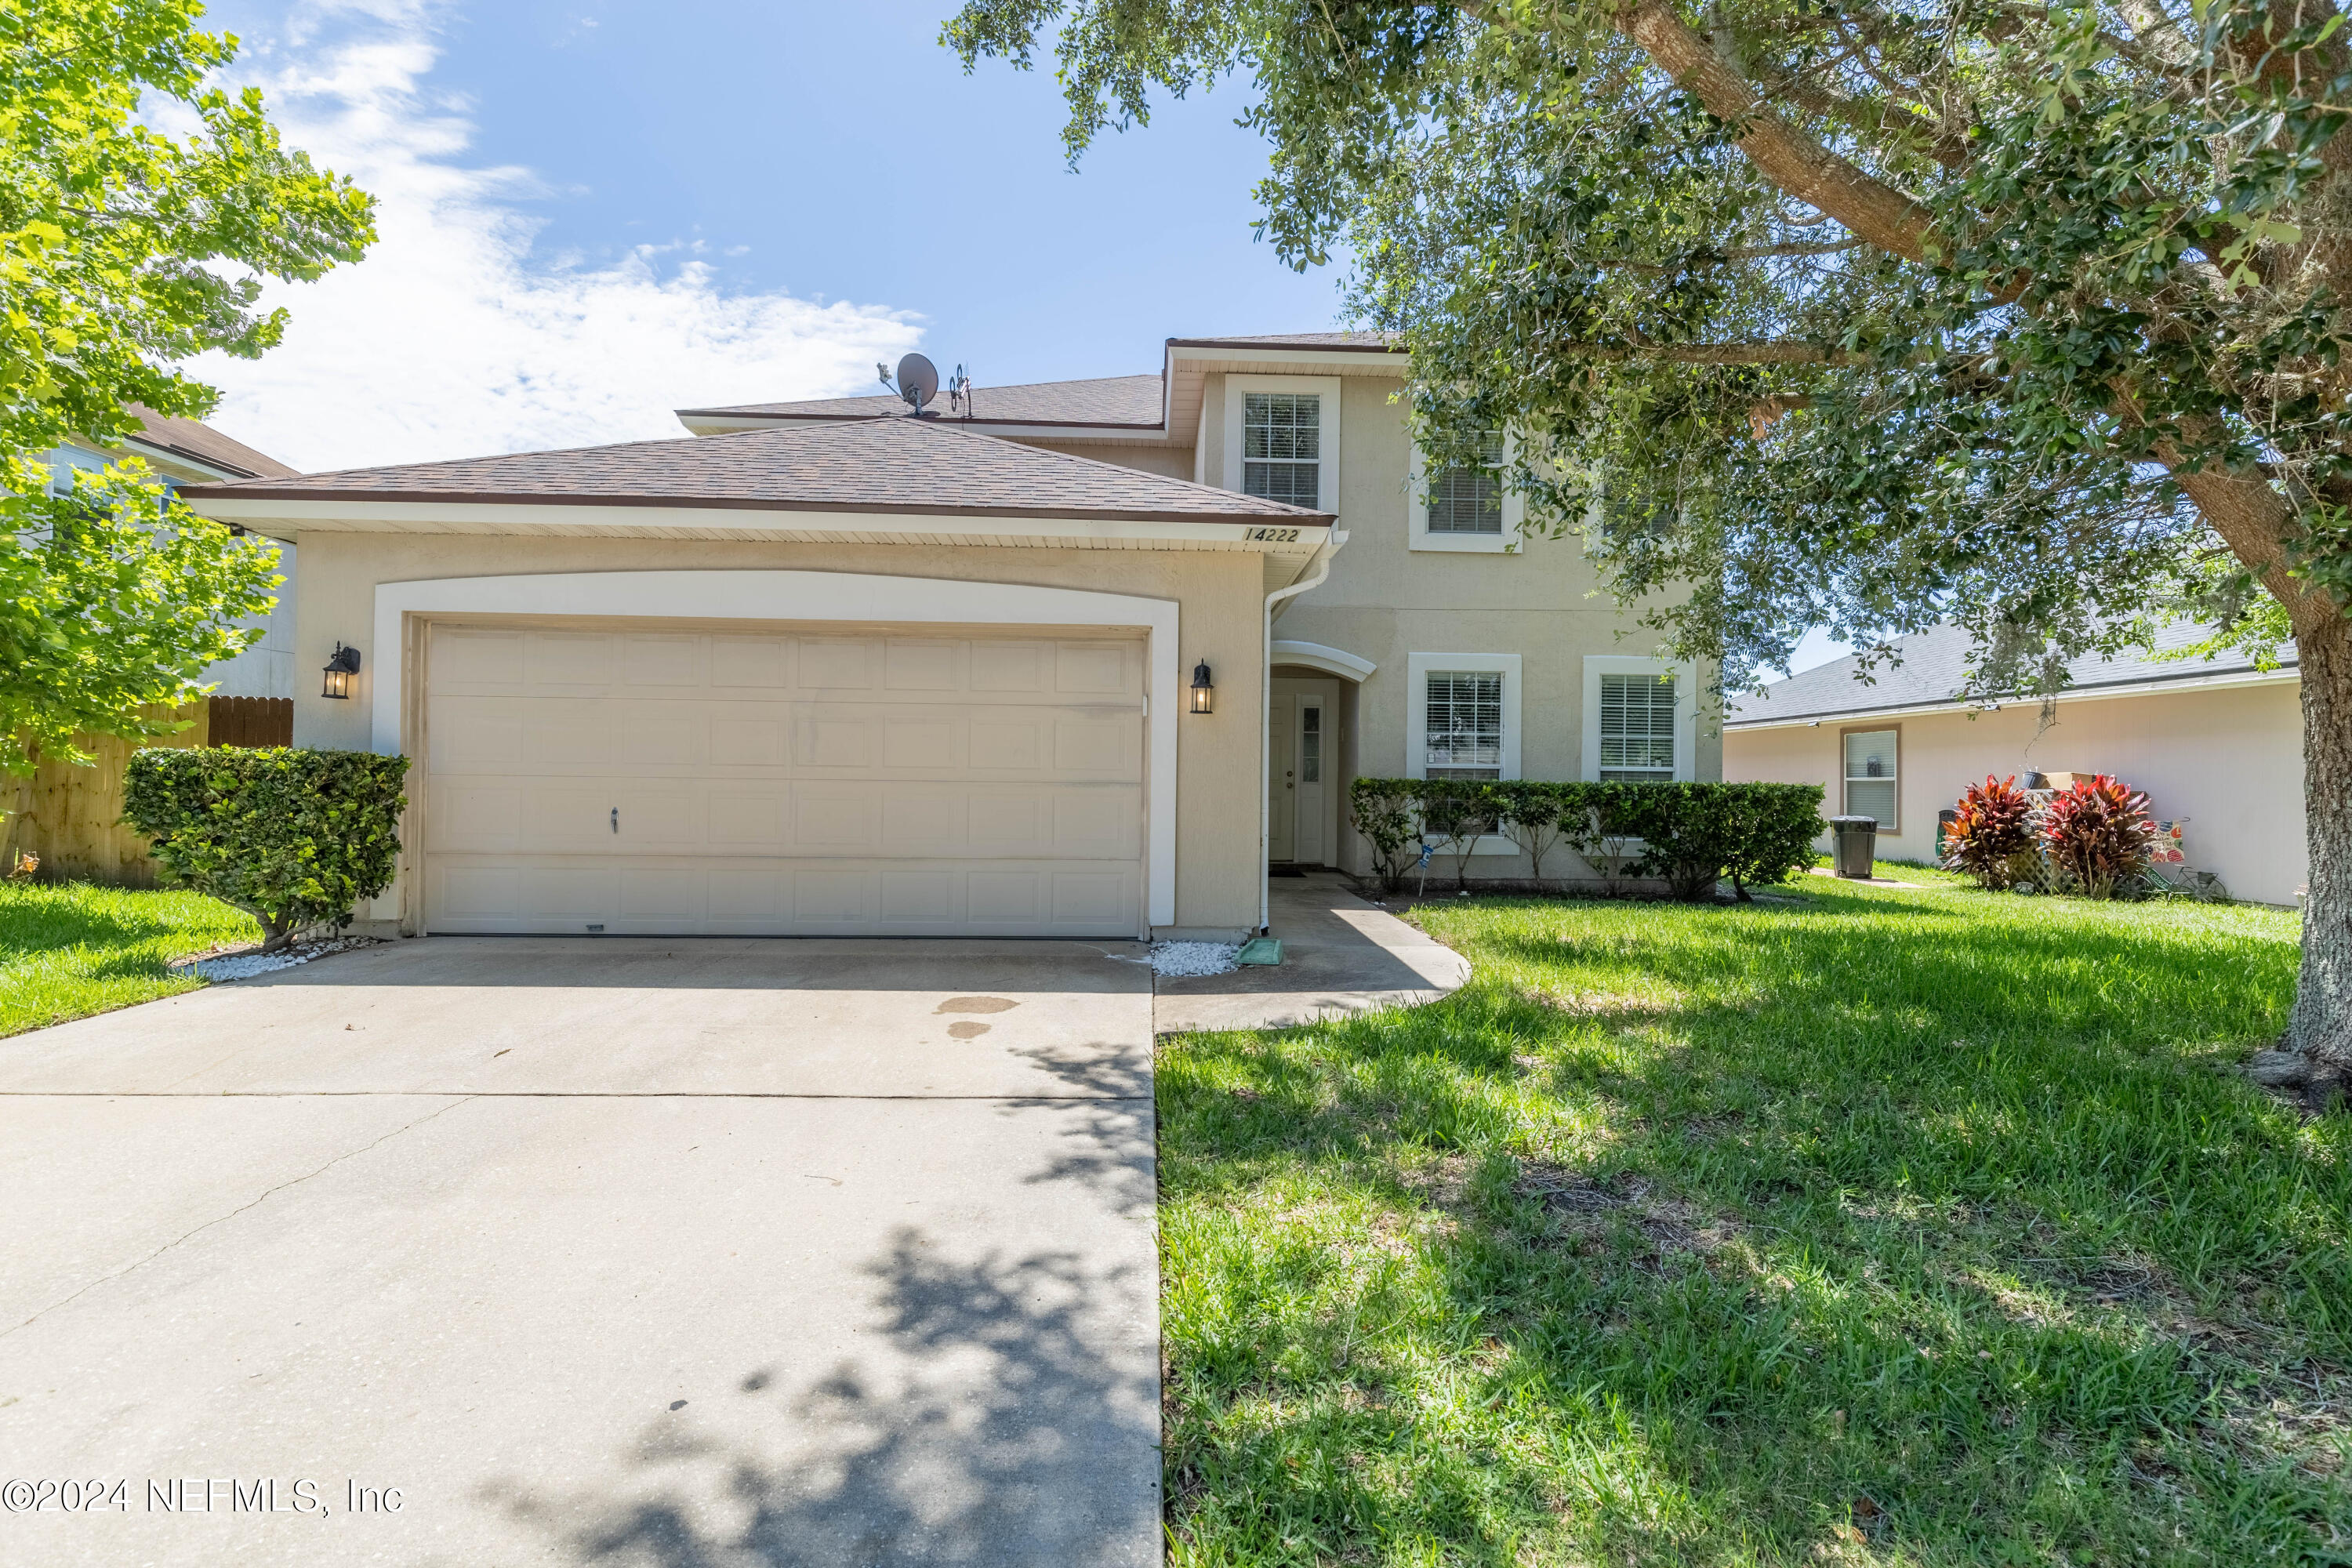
(2099,834)
(1993,834)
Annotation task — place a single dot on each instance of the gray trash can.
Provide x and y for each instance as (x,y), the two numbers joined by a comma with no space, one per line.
(1854,842)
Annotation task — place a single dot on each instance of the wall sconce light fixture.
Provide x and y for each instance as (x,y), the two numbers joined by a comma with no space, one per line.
(1205,690)
(340,670)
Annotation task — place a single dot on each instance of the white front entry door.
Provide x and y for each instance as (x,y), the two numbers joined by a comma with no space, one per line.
(1281,779)
(946,781)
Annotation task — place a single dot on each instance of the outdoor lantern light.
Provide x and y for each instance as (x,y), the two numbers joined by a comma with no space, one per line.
(340,670)
(1205,690)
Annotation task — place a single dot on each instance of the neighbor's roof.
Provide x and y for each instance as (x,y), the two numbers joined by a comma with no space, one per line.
(1104,400)
(1935,663)
(203,443)
(903,465)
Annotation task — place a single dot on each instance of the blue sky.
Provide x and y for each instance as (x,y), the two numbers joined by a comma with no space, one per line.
(595,212)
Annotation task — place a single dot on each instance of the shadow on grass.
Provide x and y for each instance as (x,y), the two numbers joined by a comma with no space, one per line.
(1885,1230)
(41,919)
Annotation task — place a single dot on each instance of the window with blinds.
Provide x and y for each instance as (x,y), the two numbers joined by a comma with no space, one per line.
(1464,726)
(1469,499)
(1637,727)
(1282,446)
(1870,776)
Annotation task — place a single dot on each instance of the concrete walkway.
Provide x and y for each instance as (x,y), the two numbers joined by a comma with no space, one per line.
(472,1250)
(1339,955)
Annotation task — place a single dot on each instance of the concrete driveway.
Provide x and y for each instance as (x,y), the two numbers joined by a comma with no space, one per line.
(687,1253)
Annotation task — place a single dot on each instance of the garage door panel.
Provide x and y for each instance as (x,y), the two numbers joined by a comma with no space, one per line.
(472,816)
(927,665)
(468,659)
(1094,669)
(789,783)
(926,819)
(750,664)
(557,662)
(654,661)
(839,664)
(1012,667)
(743,817)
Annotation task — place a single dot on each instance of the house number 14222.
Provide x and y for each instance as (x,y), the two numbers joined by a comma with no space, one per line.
(1272,535)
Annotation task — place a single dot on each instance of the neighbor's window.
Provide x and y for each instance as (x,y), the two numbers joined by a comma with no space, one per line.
(1282,446)
(1310,745)
(1870,781)
(1637,728)
(1464,726)
(1469,499)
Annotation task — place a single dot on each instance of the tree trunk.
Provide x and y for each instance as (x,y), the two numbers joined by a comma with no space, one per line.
(2320,1028)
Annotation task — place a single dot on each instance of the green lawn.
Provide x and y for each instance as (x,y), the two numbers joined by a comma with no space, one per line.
(69,949)
(1870,1225)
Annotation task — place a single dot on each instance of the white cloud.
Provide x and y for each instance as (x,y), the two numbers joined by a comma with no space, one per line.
(455,336)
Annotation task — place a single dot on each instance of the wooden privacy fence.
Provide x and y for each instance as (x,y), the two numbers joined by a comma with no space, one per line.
(71,816)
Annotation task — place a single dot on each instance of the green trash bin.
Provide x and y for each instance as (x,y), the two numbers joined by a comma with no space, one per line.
(1854,844)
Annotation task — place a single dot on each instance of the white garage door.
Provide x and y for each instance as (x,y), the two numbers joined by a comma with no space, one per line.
(946,782)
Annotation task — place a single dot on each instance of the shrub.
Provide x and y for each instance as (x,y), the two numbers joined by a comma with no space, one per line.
(294,837)
(1383,811)
(1992,837)
(1697,835)
(2098,835)
(1692,836)
(1535,815)
(1457,813)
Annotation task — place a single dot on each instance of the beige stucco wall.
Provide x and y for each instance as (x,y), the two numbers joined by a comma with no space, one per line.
(1217,595)
(1385,601)
(2229,760)
(1152,457)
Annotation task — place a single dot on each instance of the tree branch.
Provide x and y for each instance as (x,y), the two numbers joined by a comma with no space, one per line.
(1800,166)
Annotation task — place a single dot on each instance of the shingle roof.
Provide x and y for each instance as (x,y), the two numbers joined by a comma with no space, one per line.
(902,465)
(206,445)
(1934,663)
(1104,400)
(1366,343)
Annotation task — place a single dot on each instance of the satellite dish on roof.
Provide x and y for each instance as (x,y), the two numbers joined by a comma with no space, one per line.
(918,381)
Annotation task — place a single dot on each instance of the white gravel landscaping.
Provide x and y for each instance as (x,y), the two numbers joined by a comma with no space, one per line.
(1174,959)
(245,965)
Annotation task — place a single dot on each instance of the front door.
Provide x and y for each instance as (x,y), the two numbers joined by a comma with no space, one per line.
(1282,780)
(1307,837)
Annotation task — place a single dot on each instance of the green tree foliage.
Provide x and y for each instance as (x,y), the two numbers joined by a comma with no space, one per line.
(293,838)
(1864,315)
(140,213)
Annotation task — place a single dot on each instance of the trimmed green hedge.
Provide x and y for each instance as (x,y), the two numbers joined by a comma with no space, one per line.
(294,837)
(1691,836)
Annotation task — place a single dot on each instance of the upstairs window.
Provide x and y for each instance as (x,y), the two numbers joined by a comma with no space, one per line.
(1464,725)
(1870,778)
(1282,446)
(1469,499)
(1637,728)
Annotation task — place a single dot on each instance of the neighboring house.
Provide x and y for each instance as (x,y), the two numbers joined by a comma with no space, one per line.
(183,452)
(837,668)
(2216,743)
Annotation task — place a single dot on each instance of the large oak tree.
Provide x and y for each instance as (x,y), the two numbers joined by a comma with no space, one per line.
(1865,315)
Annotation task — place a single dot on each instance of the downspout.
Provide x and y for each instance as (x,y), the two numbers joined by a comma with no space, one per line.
(1266,713)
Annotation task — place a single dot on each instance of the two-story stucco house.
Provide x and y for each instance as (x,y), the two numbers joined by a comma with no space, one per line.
(1073,658)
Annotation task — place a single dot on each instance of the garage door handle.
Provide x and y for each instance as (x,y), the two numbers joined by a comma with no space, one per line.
(616,819)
